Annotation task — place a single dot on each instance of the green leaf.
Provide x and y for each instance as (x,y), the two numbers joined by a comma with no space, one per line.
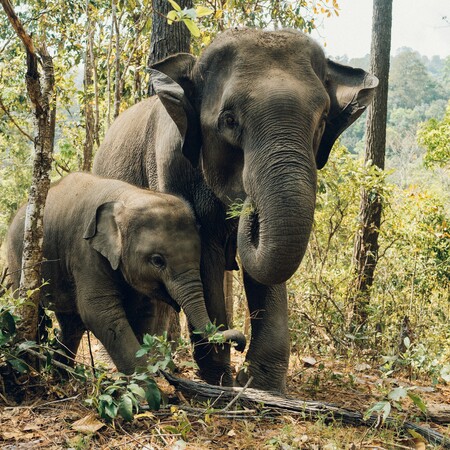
(18,365)
(137,390)
(148,340)
(141,352)
(7,322)
(407,342)
(189,14)
(153,395)
(26,345)
(203,11)
(418,401)
(445,373)
(107,399)
(175,5)
(111,410)
(397,394)
(172,16)
(126,408)
(383,407)
(192,27)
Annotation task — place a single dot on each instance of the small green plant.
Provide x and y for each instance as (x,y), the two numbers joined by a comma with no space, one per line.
(183,425)
(393,400)
(9,351)
(122,395)
(187,16)
(158,352)
(416,359)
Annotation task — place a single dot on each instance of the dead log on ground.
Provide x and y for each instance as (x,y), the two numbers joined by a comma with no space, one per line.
(277,404)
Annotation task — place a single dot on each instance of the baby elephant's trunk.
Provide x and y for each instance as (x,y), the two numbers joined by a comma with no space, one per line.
(187,291)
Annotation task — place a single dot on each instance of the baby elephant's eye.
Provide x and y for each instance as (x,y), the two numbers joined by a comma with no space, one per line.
(158,261)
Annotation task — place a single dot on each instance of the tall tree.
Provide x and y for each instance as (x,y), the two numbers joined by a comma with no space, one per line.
(366,243)
(90,85)
(167,39)
(42,97)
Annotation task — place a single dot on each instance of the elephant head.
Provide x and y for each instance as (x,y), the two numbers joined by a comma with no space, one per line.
(260,111)
(156,246)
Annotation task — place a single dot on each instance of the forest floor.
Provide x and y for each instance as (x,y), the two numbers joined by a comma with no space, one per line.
(56,417)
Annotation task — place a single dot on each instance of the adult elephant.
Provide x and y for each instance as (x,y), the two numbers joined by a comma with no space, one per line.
(251,120)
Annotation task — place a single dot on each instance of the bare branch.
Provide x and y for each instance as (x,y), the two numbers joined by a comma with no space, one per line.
(11,118)
(17,25)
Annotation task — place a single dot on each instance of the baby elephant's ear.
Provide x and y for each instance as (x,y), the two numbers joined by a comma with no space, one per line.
(351,91)
(103,232)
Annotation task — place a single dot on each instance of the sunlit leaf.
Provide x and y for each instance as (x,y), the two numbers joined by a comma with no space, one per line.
(175,5)
(397,394)
(418,401)
(203,11)
(172,17)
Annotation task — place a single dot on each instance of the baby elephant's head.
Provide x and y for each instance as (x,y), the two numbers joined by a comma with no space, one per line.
(153,240)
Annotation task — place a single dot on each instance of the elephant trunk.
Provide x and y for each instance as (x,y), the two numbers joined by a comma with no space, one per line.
(187,290)
(278,213)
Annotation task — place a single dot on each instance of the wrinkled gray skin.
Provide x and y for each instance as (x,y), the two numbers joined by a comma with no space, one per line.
(252,119)
(113,251)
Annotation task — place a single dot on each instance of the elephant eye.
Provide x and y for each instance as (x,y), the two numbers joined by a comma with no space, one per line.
(158,261)
(229,120)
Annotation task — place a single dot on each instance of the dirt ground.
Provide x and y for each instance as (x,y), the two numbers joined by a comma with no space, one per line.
(57,418)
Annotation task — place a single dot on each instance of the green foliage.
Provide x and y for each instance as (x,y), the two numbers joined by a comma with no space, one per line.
(434,135)
(157,350)
(394,399)
(412,277)
(120,395)
(187,16)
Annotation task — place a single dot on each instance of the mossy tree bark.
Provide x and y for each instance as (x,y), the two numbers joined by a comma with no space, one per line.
(42,97)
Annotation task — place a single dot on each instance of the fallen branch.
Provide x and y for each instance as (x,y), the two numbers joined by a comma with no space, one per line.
(278,404)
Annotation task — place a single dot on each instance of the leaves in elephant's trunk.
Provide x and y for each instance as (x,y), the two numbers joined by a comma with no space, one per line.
(238,208)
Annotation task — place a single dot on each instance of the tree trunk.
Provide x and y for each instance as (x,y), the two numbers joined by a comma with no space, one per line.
(366,242)
(117,76)
(42,98)
(167,39)
(89,118)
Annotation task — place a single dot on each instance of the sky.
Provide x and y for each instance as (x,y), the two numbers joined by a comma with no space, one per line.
(415,23)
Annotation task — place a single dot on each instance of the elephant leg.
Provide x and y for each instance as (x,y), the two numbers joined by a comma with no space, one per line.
(154,316)
(268,353)
(72,329)
(213,361)
(106,318)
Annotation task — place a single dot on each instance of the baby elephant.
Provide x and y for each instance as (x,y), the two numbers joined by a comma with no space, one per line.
(111,250)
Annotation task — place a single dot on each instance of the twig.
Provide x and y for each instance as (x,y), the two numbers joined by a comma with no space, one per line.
(58,364)
(241,392)
(90,353)
(11,118)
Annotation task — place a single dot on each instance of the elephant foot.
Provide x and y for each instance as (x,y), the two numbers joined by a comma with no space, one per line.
(217,375)
(263,378)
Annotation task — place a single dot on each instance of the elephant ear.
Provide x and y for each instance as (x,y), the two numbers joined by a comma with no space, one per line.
(351,91)
(103,233)
(172,84)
